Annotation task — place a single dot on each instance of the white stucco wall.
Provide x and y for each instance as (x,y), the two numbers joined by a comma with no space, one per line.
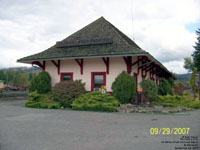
(116,66)
(53,72)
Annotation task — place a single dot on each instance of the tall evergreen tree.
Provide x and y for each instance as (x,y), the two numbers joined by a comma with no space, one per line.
(188,64)
(2,76)
(196,54)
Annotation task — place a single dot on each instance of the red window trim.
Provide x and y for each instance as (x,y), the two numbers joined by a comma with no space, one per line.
(92,78)
(66,73)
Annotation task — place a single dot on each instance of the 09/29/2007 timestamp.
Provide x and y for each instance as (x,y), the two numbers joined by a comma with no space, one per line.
(169,131)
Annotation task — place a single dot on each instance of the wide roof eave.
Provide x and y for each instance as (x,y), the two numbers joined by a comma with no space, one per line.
(79,57)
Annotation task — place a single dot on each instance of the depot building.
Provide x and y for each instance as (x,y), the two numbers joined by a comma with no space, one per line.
(97,54)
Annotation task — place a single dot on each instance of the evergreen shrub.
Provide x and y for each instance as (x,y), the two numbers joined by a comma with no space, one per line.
(149,89)
(175,101)
(124,88)
(96,101)
(41,83)
(37,100)
(164,88)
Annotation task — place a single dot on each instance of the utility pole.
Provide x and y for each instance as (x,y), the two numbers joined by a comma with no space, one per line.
(6,77)
(194,92)
(199,85)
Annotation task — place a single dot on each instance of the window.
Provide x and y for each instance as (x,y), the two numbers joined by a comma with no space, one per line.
(66,76)
(98,79)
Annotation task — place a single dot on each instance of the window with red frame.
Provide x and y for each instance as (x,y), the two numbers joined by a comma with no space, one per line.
(66,76)
(98,79)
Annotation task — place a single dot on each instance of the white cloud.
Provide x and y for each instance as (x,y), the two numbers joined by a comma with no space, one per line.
(174,66)
(28,27)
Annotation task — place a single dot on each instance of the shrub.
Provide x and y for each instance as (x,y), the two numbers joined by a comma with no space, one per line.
(186,94)
(96,101)
(180,83)
(164,87)
(41,83)
(32,104)
(41,101)
(52,105)
(149,88)
(66,92)
(124,88)
(34,96)
(171,82)
(174,101)
(178,90)
(33,86)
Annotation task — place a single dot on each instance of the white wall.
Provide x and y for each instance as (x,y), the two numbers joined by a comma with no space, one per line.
(53,72)
(117,65)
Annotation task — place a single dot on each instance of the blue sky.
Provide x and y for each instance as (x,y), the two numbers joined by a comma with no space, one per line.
(192,27)
(163,28)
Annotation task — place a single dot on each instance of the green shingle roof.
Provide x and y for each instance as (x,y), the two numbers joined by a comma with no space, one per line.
(99,29)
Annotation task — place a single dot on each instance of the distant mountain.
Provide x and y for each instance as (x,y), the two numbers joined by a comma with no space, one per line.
(23,69)
(183,77)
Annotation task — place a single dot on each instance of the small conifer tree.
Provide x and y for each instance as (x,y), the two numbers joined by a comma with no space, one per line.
(124,88)
(149,88)
(164,87)
(41,83)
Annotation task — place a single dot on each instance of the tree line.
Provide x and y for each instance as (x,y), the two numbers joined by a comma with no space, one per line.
(16,77)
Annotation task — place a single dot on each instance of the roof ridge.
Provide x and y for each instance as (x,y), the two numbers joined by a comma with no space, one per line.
(83,28)
(121,34)
(115,30)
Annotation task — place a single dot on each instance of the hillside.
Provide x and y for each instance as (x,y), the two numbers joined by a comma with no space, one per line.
(18,75)
(23,69)
(183,77)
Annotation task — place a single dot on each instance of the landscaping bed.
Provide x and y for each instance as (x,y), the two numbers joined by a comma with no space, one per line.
(163,104)
(67,95)
(131,108)
(177,101)
(72,95)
